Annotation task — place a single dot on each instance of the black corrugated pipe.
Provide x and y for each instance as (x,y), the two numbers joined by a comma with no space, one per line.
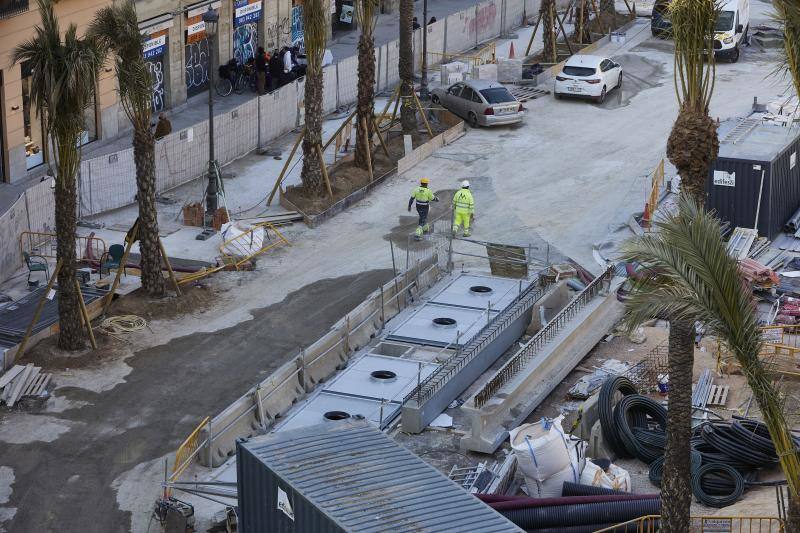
(627,528)
(525,503)
(583,514)
(576,489)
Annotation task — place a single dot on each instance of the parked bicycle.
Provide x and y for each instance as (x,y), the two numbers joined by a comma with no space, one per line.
(234,77)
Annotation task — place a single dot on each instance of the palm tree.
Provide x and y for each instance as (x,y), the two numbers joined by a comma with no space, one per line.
(64,78)
(367,17)
(692,147)
(116,28)
(787,13)
(315,36)
(547,14)
(696,279)
(405,67)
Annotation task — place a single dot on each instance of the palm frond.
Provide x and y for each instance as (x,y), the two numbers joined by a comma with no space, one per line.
(787,14)
(693,23)
(690,276)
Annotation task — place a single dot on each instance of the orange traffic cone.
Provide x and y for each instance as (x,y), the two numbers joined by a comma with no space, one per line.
(511,51)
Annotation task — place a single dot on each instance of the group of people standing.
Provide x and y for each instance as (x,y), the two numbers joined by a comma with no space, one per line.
(278,68)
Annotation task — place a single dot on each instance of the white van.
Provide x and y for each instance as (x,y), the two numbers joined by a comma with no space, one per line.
(733,27)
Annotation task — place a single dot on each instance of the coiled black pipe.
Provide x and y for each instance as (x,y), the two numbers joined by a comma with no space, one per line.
(720,436)
(576,489)
(712,500)
(711,455)
(632,412)
(655,438)
(657,467)
(605,408)
(583,514)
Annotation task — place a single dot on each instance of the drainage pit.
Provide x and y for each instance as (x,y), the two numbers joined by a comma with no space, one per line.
(480,289)
(444,322)
(383,376)
(336,415)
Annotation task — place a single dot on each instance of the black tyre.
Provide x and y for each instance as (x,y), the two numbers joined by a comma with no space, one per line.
(735,55)
(602,97)
(556,95)
(224,87)
(240,85)
(619,81)
(473,119)
(435,99)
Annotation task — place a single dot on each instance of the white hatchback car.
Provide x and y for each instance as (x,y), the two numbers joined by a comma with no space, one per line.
(588,77)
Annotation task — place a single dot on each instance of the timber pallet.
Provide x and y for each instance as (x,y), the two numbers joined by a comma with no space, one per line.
(523,94)
(718,395)
(20,381)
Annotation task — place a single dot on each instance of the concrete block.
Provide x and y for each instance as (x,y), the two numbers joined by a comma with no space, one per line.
(485,72)
(553,302)
(509,70)
(513,403)
(597,446)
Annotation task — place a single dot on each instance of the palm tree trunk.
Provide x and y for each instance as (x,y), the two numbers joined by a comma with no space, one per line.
(314,17)
(366,93)
(547,11)
(405,67)
(70,336)
(692,147)
(793,515)
(676,489)
(144,159)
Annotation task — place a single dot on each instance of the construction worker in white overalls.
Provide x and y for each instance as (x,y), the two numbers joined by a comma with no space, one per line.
(464,207)
(423,196)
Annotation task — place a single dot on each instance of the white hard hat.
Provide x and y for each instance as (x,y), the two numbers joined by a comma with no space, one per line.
(465,184)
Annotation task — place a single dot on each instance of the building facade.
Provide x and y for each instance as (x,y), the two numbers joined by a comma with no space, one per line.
(175,46)
(22,143)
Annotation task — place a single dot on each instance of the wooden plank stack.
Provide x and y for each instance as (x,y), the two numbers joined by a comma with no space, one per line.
(20,381)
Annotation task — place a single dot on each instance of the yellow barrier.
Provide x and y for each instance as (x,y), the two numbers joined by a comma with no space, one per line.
(186,452)
(780,351)
(44,244)
(239,250)
(703,524)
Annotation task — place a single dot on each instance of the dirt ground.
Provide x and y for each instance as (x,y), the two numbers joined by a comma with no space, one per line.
(346,178)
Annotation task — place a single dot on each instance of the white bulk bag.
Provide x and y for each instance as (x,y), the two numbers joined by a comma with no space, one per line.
(616,478)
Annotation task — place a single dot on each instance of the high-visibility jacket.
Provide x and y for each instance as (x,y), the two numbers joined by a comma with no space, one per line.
(463,202)
(422,195)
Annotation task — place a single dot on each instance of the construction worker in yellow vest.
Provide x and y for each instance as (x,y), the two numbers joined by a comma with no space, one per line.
(464,207)
(423,196)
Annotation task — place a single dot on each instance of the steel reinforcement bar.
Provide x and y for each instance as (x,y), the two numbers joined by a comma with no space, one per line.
(545,335)
(486,335)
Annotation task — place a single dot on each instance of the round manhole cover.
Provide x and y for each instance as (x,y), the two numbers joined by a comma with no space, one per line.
(480,289)
(336,415)
(383,375)
(444,322)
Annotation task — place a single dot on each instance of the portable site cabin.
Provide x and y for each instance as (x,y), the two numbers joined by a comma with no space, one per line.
(755,174)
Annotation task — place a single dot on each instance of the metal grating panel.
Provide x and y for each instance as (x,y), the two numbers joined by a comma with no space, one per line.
(464,291)
(420,329)
(359,479)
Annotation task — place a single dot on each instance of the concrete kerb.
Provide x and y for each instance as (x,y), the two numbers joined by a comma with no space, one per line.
(312,366)
(508,408)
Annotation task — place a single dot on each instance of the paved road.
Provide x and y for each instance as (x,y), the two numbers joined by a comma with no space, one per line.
(66,485)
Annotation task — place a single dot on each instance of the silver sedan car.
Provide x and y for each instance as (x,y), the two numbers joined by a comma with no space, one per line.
(480,102)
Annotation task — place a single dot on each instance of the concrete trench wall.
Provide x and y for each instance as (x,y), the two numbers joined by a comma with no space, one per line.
(511,405)
(317,363)
(107,182)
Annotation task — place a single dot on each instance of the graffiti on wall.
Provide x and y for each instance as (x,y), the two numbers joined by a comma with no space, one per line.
(277,33)
(156,68)
(483,20)
(297,25)
(245,42)
(196,66)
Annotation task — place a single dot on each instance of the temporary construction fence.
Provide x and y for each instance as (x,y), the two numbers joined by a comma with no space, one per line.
(108,182)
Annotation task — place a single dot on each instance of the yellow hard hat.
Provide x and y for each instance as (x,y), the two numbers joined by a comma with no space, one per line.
(425,181)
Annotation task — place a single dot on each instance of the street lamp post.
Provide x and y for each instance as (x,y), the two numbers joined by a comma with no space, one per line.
(211,20)
(423,86)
